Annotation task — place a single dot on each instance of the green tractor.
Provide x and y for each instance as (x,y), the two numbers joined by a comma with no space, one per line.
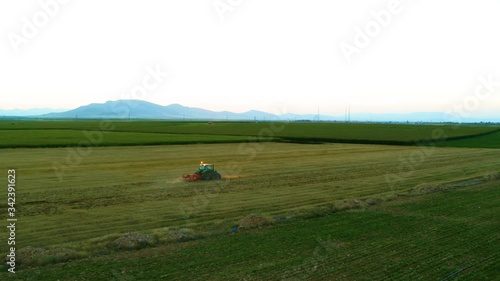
(204,172)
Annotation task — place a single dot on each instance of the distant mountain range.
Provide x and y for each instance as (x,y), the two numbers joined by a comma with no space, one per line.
(138,109)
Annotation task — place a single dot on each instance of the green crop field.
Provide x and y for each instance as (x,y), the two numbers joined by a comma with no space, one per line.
(486,141)
(60,138)
(118,207)
(70,133)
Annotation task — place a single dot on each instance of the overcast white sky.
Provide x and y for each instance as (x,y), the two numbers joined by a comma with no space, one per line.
(273,55)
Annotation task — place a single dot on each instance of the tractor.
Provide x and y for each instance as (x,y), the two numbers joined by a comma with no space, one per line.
(204,172)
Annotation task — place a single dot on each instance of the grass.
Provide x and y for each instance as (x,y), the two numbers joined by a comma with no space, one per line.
(126,189)
(60,138)
(428,237)
(32,132)
(122,202)
(486,141)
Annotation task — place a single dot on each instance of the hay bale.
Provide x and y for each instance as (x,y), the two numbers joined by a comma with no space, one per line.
(428,188)
(181,235)
(347,204)
(133,240)
(29,255)
(166,235)
(253,221)
(494,176)
(64,253)
(372,201)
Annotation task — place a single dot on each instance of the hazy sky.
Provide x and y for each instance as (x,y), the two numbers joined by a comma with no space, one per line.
(278,56)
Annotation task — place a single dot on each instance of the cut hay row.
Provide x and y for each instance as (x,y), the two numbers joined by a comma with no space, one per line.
(115,192)
(411,238)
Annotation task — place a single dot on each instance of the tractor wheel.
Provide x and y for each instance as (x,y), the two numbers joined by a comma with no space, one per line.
(216,176)
(206,176)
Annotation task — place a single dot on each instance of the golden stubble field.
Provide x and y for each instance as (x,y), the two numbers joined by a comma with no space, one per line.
(106,190)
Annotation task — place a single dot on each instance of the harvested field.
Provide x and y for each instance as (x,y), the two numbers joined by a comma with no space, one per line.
(140,189)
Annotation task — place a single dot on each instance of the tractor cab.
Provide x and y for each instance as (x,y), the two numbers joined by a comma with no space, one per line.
(205,167)
(204,172)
